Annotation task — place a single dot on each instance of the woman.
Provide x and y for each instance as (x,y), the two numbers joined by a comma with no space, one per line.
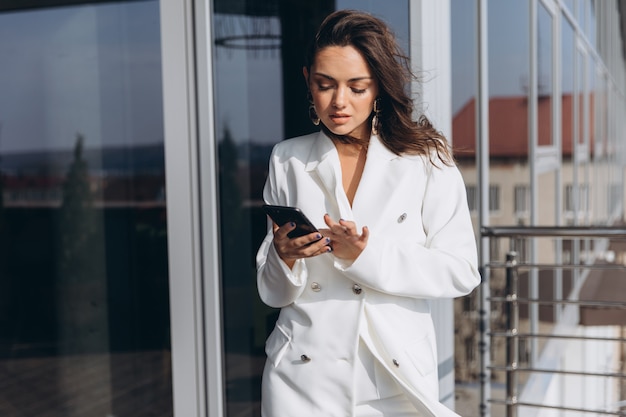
(355,336)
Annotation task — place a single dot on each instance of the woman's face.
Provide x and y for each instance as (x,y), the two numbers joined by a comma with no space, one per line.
(343,90)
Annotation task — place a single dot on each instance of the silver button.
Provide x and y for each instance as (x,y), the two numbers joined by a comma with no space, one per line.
(395,362)
(316,287)
(356,289)
(305,358)
(402,217)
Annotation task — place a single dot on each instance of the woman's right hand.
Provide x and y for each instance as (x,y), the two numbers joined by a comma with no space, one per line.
(307,246)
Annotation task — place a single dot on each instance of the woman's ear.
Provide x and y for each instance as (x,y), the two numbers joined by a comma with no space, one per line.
(305,72)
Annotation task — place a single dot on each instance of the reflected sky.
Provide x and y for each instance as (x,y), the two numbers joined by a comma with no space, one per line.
(507,48)
(248,83)
(93,70)
(88,69)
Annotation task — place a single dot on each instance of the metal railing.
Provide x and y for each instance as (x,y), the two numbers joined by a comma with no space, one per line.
(511,300)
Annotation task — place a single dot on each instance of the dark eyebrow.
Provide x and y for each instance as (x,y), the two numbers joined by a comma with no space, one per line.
(328,77)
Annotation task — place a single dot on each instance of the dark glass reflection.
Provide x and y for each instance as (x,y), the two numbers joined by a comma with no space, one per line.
(258,52)
(84,299)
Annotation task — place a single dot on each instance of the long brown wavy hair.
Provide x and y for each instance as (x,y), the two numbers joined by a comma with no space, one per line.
(397,129)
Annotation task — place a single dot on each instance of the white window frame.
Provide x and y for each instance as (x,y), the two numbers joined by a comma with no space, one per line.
(193,239)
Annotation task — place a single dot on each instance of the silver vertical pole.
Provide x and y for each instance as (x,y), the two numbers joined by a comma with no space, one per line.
(482,141)
(512,338)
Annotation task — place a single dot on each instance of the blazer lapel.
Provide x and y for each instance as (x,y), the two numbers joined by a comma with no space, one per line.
(323,163)
(381,175)
(380,179)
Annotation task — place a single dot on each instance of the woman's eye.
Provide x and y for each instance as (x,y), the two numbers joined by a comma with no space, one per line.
(358,90)
(324,87)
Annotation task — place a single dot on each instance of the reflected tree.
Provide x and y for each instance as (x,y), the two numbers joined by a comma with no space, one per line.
(4,283)
(234,233)
(77,218)
(81,283)
(2,213)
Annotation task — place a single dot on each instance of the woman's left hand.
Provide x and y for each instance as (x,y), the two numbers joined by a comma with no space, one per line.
(345,239)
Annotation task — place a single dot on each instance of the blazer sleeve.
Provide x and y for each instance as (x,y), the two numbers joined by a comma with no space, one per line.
(444,266)
(277,284)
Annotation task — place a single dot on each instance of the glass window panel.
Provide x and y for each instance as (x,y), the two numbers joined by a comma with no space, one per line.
(250,119)
(570,4)
(494,198)
(260,99)
(521,202)
(615,197)
(568,54)
(576,199)
(508,22)
(591,22)
(569,100)
(599,111)
(464,88)
(581,9)
(84,312)
(581,87)
(601,153)
(472,197)
(591,97)
(544,76)
(509,52)
(463,30)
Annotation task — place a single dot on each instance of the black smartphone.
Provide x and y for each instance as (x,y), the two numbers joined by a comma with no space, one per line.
(284,214)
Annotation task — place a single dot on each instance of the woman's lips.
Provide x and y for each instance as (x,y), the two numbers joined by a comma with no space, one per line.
(340,118)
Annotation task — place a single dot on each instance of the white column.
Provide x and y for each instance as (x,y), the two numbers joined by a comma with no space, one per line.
(429,48)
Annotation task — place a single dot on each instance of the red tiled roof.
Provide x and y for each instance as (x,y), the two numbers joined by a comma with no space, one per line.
(508,126)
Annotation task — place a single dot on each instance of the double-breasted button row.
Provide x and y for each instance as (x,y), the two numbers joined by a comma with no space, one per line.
(305,358)
(356,288)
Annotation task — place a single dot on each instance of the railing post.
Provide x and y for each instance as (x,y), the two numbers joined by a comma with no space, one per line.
(484,344)
(512,339)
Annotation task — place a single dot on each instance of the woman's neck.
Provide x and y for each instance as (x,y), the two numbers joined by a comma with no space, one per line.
(353,150)
(352,158)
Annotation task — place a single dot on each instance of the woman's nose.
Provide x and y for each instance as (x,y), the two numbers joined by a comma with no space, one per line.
(339,100)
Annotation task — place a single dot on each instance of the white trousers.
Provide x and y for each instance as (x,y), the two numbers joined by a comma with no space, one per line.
(377,394)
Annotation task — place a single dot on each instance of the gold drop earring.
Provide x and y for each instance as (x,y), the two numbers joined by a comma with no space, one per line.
(376,119)
(312,113)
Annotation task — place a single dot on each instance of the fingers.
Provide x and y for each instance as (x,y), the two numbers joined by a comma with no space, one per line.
(346,241)
(294,249)
(365,234)
(283,231)
(306,246)
(342,238)
(349,228)
(343,227)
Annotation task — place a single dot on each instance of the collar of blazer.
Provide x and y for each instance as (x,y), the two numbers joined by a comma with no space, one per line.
(322,147)
(381,175)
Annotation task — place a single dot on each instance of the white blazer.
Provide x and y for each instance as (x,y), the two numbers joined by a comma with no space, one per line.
(421,246)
